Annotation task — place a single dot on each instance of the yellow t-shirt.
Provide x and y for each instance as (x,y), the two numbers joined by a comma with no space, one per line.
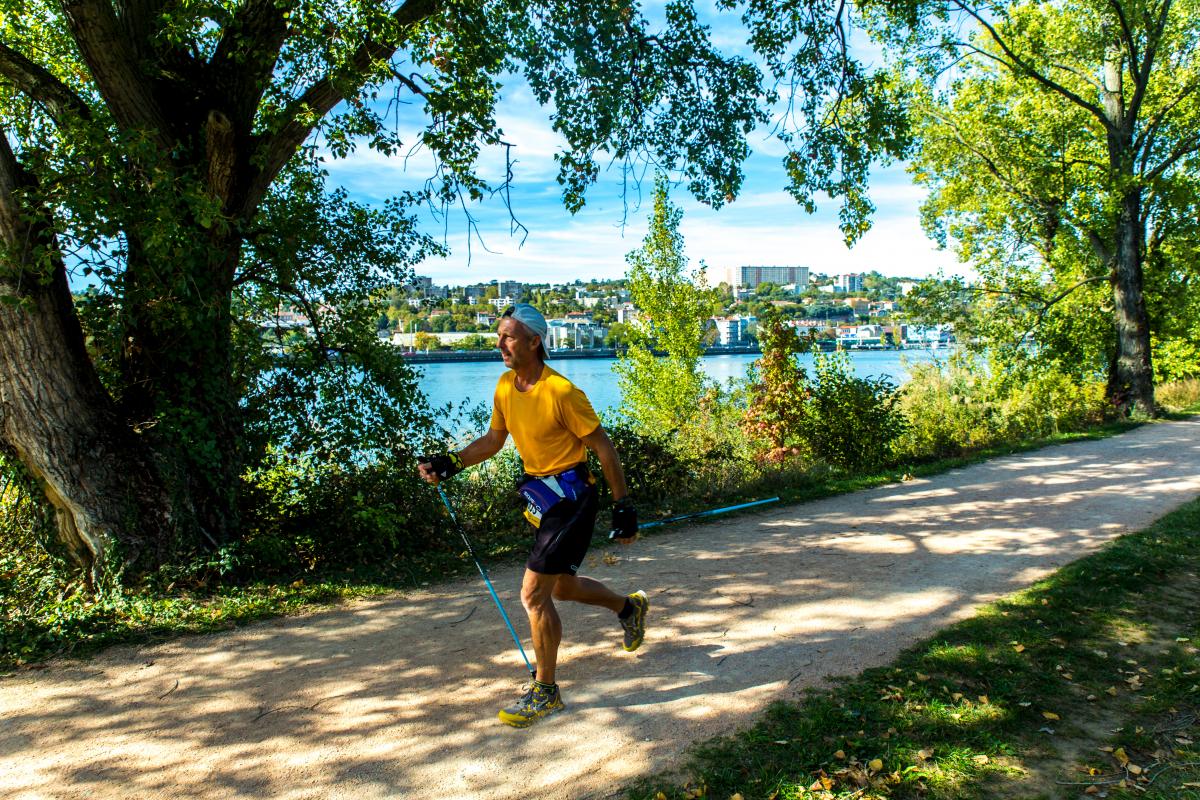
(547,422)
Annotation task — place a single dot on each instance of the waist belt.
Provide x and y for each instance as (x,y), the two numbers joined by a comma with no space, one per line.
(543,493)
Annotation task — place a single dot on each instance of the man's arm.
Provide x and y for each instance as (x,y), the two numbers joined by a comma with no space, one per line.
(476,452)
(624,515)
(598,442)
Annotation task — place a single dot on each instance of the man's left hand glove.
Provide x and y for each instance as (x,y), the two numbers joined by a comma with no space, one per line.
(445,465)
(624,520)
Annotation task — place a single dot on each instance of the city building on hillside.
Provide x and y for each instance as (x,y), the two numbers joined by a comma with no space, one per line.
(484,318)
(733,330)
(288,318)
(749,277)
(906,286)
(574,334)
(510,288)
(502,302)
(860,305)
(849,282)
(627,313)
(883,308)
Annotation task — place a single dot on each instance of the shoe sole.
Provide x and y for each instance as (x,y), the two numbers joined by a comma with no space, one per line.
(640,615)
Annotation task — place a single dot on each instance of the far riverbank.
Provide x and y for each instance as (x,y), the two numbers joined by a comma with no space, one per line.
(467,383)
(492,354)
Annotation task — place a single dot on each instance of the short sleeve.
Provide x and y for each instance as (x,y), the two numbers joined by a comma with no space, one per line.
(498,403)
(578,416)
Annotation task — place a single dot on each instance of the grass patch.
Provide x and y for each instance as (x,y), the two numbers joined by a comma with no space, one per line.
(1085,685)
(76,624)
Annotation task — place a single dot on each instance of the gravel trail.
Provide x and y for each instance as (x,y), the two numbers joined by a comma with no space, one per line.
(396,697)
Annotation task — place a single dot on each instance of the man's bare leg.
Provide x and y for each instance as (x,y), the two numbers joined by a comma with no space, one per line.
(537,595)
(579,589)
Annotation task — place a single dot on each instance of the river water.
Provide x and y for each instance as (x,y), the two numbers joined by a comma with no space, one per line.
(467,383)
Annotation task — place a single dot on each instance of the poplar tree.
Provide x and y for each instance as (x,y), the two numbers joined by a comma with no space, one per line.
(659,373)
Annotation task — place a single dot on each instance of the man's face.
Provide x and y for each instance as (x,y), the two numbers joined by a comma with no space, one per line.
(518,347)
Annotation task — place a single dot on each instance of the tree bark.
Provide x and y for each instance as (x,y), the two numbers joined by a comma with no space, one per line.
(111,505)
(1133,387)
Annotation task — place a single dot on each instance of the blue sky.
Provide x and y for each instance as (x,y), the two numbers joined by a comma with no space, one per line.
(764,226)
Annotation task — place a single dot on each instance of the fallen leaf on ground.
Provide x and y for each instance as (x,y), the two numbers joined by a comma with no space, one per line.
(981,759)
(1050,715)
(1020,648)
(840,755)
(875,765)
(1119,755)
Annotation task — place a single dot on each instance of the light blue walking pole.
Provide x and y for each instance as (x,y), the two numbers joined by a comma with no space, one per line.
(486,579)
(708,513)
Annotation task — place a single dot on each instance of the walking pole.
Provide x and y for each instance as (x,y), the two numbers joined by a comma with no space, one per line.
(708,513)
(486,579)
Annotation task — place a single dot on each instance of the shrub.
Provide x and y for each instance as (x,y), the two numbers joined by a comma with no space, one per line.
(655,470)
(1181,395)
(959,406)
(778,390)
(1051,402)
(850,422)
(301,514)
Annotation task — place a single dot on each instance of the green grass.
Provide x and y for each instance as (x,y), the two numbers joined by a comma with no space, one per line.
(74,624)
(1086,684)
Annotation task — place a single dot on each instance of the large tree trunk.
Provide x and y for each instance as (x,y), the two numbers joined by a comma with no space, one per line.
(1131,388)
(1134,384)
(111,505)
(178,372)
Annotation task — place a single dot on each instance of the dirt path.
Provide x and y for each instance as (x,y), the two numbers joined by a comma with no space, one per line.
(396,697)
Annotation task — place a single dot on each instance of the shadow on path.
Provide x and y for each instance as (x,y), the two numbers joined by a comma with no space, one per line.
(396,697)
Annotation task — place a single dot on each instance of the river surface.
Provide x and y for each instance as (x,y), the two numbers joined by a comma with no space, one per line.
(471,382)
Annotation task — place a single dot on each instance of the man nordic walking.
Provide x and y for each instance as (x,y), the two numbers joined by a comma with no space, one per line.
(553,425)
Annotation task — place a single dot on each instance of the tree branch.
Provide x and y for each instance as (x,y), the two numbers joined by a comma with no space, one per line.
(11,180)
(318,100)
(112,58)
(41,86)
(1186,145)
(1141,68)
(1019,66)
(1145,140)
(245,57)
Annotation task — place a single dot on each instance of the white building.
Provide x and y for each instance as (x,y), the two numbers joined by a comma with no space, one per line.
(733,330)
(749,277)
(849,282)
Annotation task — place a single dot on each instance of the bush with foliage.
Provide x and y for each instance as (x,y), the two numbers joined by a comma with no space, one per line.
(777,390)
(850,422)
(1181,395)
(960,406)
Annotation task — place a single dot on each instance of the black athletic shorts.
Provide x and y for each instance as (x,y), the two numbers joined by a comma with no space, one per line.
(563,538)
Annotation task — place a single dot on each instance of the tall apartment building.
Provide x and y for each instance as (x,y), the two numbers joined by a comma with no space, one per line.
(749,277)
(850,282)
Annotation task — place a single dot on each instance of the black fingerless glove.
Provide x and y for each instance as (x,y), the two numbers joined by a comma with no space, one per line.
(624,520)
(446,465)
